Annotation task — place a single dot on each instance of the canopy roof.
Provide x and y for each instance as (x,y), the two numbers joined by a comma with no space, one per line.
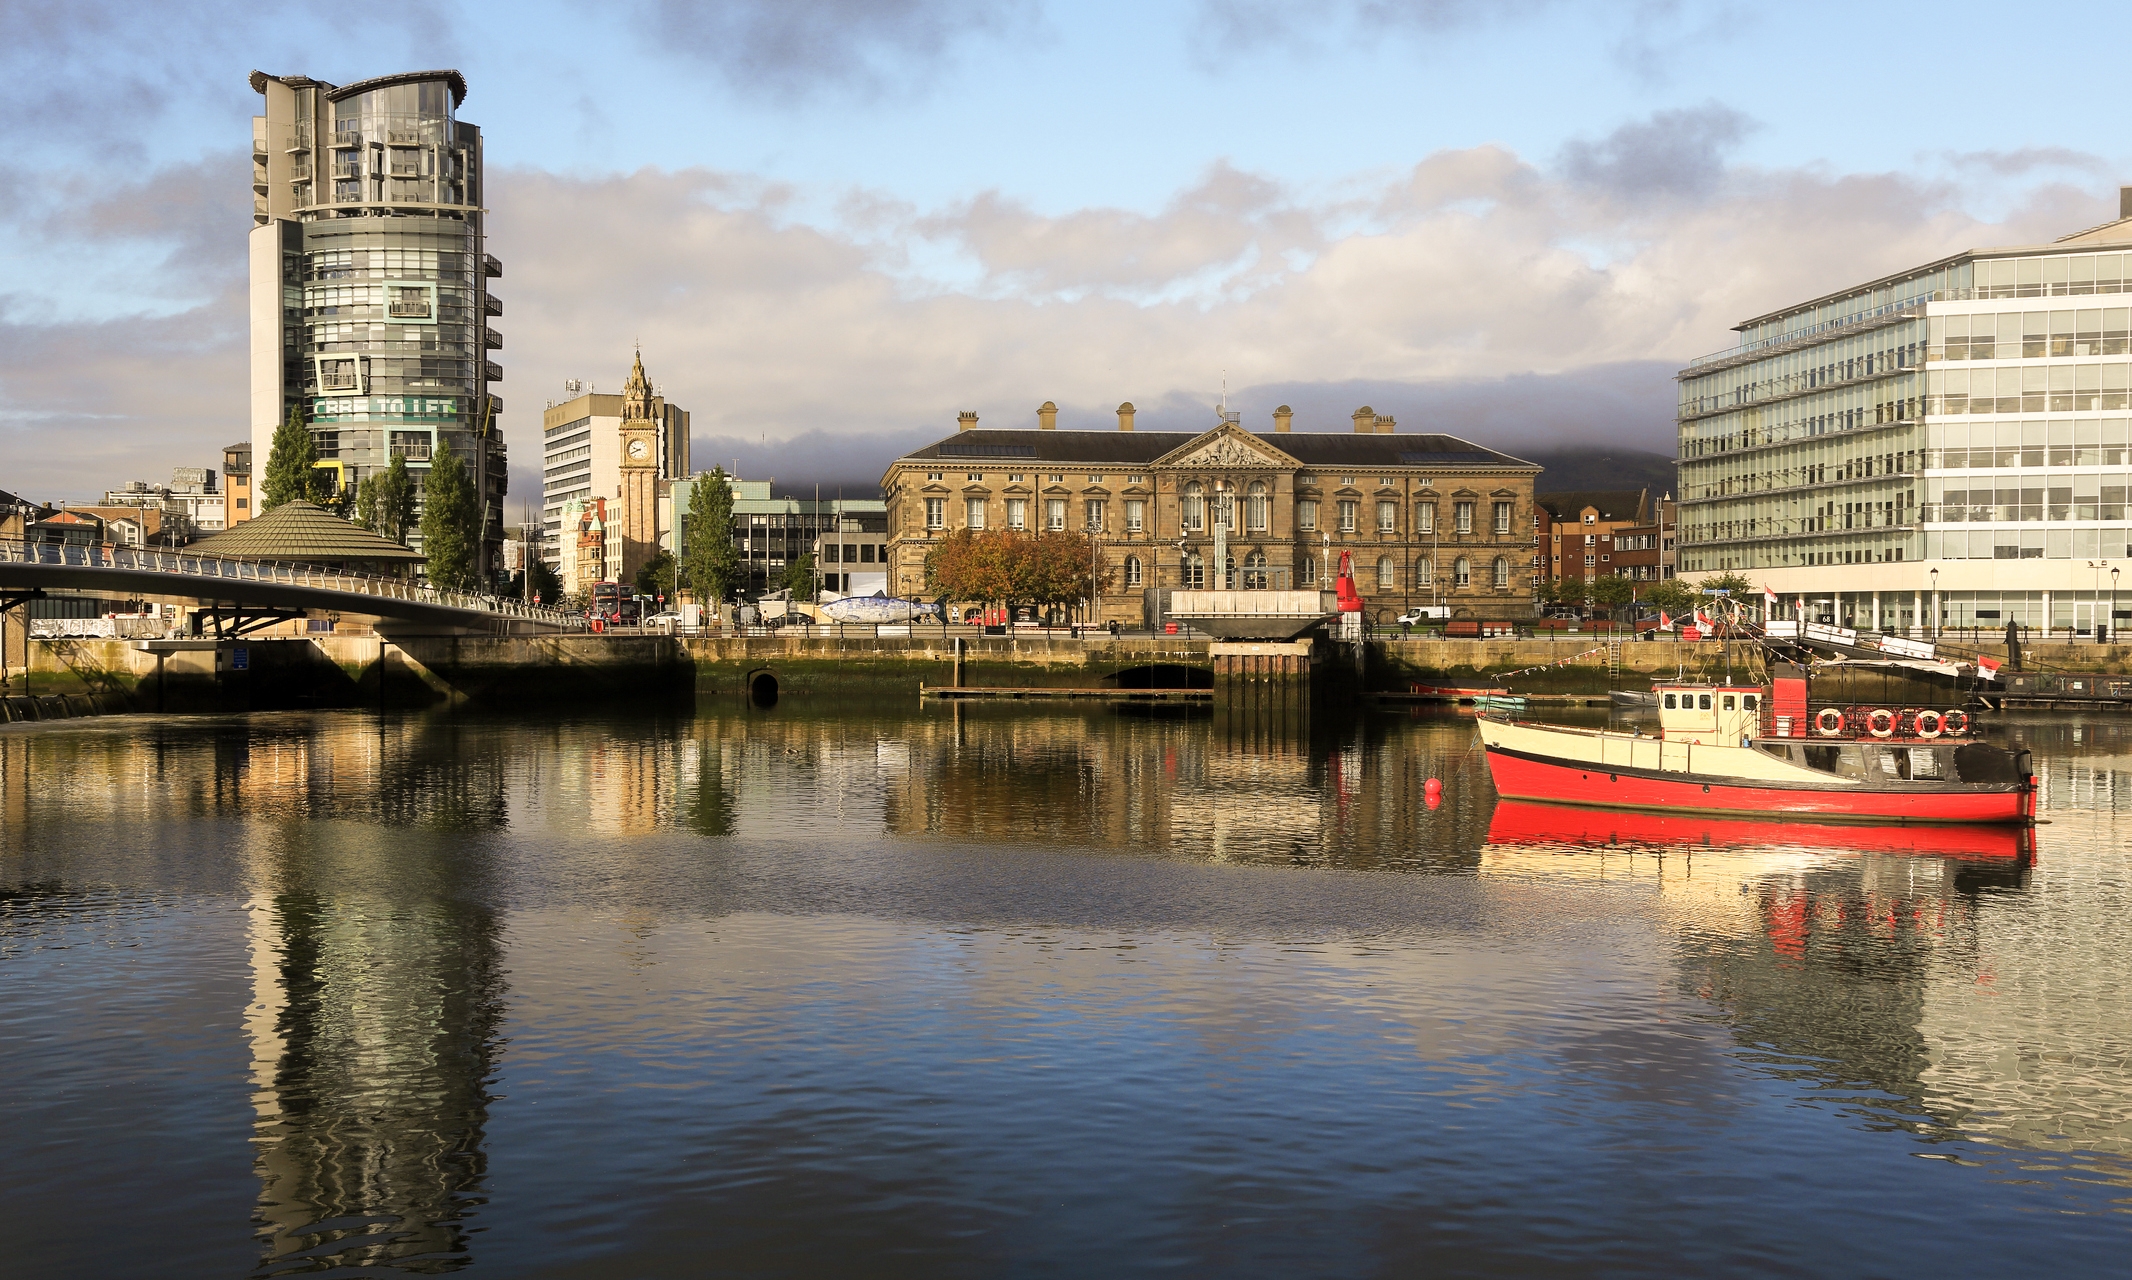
(305,533)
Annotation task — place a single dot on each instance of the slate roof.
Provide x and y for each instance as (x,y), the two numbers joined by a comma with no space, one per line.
(1613,504)
(303,533)
(1131,448)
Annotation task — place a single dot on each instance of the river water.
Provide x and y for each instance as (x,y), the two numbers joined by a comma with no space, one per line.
(837,989)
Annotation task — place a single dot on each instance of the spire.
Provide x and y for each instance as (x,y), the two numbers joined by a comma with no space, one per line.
(636,393)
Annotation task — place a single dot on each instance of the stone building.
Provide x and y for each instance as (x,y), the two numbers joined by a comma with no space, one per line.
(1427,519)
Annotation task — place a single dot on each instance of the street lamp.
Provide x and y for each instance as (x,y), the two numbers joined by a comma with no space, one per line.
(1935,603)
(2113,599)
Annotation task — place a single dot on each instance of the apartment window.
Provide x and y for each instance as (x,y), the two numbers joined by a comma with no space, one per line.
(1502,517)
(1350,512)
(1132,571)
(1258,507)
(1017,513)
(1590,541)
(1589,518)
(1463,513)
(1306,516)
(976,509)
(1424,517)
(1605,559)
(1462,573)
(1055,515)
(1589,561)
(1501,576)
(1387,517)
(1193,507)
(1135,515)
(1387,573)
(1094,508)
(936,513)
(1424,573)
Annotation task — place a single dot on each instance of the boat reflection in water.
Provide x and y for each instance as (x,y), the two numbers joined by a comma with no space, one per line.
(1520,823)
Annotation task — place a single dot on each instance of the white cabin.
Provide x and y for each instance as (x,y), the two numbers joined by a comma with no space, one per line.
(1723,715)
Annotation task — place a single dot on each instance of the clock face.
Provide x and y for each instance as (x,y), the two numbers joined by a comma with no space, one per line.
(637,449)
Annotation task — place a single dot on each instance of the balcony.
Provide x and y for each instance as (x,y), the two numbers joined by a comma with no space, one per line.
(491,305)
(347,169)
(490,266)
(491,371)
(417,309)
(492,339)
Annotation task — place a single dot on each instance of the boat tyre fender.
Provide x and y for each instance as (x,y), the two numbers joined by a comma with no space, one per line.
(1828,722)
(1880,722)
(1929,724)
(1955,723)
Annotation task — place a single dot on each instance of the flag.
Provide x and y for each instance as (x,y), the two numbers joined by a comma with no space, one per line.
(1987,667)
(1769,596)
(1665,621)
(1703,622)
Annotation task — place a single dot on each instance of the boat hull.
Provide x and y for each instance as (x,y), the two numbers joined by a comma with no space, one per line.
(1522,824)
(1526,775)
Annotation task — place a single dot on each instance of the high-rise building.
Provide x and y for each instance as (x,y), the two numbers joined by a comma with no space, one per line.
(627,449)
(1945,446)
(370,301)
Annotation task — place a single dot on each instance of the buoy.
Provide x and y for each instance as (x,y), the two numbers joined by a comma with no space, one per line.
(1880,722)
(1828,722)
(1955,722)
(1434,785)
(1433,799)
(1934,730)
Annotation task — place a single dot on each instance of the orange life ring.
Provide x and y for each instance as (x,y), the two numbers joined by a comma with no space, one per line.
(1955,723)
(1938,723)
(1874,724)
(1828,722)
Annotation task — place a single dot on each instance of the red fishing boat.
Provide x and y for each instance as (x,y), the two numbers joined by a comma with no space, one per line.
(1750,750)
(1521,824)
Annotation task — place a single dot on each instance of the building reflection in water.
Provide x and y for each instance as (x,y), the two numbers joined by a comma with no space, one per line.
(377,994)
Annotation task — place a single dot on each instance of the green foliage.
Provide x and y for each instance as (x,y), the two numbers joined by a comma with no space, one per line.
(657,576)
(710,563)
(395,501)
(366,504)
(1739,584)
(1612,592)
(1671,595)
(289,469)
(451,524)
(546,585)
(799,578)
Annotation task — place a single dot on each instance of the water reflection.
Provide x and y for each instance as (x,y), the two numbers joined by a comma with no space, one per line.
(1951,989)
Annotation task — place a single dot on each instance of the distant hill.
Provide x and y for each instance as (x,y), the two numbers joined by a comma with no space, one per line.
(1583,467)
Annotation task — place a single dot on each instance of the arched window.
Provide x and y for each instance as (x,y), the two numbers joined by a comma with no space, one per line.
(1193,507)
(1228,574)
(1309,570)
(1501,575)
(1387,573)
(1255,578)
(1462,572)
(1195,572)
(1424,572)
(1132,571)
(1258,507)
(1225,509)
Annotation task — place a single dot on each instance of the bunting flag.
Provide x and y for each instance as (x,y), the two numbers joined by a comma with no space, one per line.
(1546,666)
(1665,621)
(1703,622)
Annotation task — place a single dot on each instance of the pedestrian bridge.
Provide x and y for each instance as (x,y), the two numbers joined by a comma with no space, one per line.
(234,596)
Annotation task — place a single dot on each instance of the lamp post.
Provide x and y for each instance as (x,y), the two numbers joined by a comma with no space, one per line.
(2113,599)
(1935,603)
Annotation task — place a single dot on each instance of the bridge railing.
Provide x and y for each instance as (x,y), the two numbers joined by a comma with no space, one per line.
(322,577)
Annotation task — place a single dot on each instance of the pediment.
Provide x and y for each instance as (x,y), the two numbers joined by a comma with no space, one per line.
(1226,446)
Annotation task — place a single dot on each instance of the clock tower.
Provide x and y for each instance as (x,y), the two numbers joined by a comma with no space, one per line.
(643,421)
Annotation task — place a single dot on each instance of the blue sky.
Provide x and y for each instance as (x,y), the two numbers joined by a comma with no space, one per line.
(834,224)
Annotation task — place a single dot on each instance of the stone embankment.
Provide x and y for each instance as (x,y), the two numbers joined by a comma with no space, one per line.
(58,706)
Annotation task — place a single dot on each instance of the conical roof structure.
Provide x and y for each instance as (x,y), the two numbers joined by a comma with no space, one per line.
(302,532)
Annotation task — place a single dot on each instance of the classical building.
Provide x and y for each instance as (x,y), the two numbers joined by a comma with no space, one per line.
(1942,446)
(1426,519)
(626,449)
(370,302)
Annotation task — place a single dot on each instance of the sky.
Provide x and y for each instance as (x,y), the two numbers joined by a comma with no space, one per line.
(835,224)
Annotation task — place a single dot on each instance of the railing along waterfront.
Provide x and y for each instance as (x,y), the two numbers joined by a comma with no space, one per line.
(322,577)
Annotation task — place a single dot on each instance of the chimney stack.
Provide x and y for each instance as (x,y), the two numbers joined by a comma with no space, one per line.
(1365,421)
(1125,416)
(1282,417)
(1047,416)
(1385,424)
(967,422)
(2124,202)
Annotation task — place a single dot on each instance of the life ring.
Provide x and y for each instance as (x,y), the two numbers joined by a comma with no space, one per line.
(1828,722)
(1938,723)
(1955,723)
(1875,725)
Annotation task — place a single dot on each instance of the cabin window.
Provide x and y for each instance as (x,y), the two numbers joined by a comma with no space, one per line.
(1669,702)
(1751,701)
(1704,700)
(1924,763)
(1729,700)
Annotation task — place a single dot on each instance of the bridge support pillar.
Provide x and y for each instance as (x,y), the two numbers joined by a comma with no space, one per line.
(1242,667)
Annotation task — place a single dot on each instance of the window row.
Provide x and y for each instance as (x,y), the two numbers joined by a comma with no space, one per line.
(1196,509)
(2064,388)
(2029,544)
(2030,335)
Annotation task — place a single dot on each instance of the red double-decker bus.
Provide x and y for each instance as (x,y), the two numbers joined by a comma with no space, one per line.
(615,603)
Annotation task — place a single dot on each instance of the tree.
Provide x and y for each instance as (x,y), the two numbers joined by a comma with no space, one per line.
(366,504)
(1611,592)
(1671,596)
(289,470)
(451,524)
(656,578)
(395,501)
(1059,570)
(799,577)
(1739,584)
(545,584)
(1004,567)
(710,563)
